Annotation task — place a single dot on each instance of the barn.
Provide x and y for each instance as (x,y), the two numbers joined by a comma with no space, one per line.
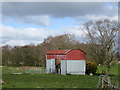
(71,61)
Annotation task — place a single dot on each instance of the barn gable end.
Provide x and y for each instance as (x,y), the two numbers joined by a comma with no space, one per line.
(76,55)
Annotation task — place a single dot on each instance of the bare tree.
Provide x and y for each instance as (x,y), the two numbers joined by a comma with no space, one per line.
(102,34)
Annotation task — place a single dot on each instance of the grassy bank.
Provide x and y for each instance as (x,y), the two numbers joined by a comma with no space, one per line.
(43,80)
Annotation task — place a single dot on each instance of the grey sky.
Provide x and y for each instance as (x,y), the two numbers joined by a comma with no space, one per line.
(58,9)
(26,22)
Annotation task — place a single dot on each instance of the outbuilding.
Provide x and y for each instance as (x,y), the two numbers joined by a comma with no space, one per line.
(71,61)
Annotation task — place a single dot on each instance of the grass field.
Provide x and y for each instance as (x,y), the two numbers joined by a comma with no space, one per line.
(42,80)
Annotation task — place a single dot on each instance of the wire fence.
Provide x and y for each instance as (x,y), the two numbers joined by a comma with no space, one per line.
(29,71)
(41,71)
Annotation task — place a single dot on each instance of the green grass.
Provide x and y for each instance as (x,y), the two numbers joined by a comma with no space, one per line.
(51,80)
(113,69)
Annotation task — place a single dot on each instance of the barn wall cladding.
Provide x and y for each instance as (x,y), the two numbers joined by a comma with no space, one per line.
(66,61)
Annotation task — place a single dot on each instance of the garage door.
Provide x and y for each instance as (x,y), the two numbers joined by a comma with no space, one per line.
(76,67)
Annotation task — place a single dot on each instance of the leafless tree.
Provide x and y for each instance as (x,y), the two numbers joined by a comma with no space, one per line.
(102,35)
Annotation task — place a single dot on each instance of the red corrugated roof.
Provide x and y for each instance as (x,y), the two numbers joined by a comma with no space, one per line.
(58,51)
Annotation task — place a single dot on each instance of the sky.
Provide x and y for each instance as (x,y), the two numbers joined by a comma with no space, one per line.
(31,22)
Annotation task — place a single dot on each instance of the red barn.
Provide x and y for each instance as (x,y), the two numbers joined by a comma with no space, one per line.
(71,61)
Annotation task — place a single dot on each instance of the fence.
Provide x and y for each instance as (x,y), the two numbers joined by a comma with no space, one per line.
(105,82)
(18,71)
(30,71)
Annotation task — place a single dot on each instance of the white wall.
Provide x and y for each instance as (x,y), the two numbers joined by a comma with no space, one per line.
(73,67)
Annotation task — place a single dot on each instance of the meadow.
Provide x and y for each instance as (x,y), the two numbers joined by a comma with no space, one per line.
(36,77)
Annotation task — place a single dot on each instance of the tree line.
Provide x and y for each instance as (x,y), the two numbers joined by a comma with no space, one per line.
(31,55)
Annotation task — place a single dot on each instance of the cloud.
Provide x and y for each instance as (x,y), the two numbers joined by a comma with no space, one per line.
(39,20)
(43,13)
(13,36)
(94,17)
(56,9)
(36,20)
(20,42)
(83,19)
(76,30)
(10,33)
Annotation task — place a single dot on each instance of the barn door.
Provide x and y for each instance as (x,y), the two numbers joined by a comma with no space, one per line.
(50,66)
(63,67)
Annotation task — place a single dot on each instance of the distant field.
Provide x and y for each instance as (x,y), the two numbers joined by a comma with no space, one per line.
(37,78)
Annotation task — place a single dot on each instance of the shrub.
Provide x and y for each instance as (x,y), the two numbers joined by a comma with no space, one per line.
(91,67)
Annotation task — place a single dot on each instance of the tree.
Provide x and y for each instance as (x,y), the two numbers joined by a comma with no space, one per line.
(64,41)
(6,55)
(102,37)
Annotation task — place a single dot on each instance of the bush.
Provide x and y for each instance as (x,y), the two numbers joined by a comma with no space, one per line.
(91,67)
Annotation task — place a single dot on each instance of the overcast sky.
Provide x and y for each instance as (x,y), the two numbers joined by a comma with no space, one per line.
(31,22)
